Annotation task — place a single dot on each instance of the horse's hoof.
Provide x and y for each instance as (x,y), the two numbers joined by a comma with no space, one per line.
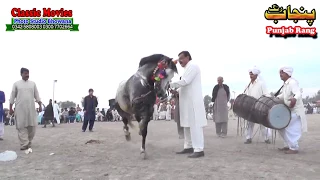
(143,155)
(128,137)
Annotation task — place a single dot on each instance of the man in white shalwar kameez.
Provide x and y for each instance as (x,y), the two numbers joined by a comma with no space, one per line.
(192,111)
(56,112)
(81,113)
(256,89)
(23,95)
(155,112)
(114,115)
(292,97)
(168,112)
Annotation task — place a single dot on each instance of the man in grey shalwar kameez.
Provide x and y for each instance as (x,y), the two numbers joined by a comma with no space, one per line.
(23,95)
(177,117)
(220,97)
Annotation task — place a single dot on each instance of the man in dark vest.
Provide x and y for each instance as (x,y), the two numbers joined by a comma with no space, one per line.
(220,98)
(48,115)
(90,104)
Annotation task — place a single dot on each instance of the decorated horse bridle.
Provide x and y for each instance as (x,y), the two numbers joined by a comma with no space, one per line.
(162,66)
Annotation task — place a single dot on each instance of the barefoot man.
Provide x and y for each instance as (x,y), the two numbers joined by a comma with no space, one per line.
(291,95)
(23,95)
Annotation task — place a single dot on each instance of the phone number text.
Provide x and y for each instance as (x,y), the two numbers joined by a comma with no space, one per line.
(41,26)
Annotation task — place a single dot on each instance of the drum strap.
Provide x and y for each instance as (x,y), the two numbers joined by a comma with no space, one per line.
(278,92)
(247,87)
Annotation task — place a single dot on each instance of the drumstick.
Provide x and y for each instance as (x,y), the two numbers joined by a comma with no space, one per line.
(238,127)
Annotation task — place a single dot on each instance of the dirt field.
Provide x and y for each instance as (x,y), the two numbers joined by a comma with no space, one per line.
(114,158)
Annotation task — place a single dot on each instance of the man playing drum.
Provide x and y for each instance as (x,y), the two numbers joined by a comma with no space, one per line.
(256,89)
(292,97)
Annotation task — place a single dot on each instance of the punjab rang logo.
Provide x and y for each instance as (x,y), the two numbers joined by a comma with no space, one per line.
(46,20)
(277,13)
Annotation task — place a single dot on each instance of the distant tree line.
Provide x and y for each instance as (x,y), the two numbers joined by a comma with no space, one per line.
(312,99)
(67,104)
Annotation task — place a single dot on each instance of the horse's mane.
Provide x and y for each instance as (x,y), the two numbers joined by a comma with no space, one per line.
(155,58)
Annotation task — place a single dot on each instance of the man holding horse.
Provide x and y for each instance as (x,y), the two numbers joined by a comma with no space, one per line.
(292,97)
(192,111)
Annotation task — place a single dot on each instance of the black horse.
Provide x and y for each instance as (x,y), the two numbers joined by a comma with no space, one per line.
(136,96)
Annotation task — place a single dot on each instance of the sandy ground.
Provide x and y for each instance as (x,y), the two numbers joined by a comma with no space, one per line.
(114,158)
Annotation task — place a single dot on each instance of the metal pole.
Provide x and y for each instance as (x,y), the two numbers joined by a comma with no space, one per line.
(53,91)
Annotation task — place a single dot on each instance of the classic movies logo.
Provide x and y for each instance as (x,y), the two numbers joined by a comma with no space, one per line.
(47,19)
(277,13)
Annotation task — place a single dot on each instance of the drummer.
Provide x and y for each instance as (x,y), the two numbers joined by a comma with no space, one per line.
(256,89)
(291,94)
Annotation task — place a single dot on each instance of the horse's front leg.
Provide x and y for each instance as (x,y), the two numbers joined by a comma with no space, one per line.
(126,128)
(143,124)
(144,131)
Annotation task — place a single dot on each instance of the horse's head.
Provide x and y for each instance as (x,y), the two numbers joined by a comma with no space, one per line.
(157,70)
(162,75)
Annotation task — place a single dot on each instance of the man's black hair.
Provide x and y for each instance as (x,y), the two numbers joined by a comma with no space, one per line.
(90,90)
(22,70)
(186,53)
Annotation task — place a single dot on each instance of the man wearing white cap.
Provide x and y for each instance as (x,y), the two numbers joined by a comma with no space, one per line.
(256,89)
(292,97)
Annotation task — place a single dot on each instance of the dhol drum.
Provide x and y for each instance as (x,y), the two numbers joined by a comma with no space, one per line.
(243,107)
(271,112)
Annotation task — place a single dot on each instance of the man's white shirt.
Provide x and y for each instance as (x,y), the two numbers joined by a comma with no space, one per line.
(256,89)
